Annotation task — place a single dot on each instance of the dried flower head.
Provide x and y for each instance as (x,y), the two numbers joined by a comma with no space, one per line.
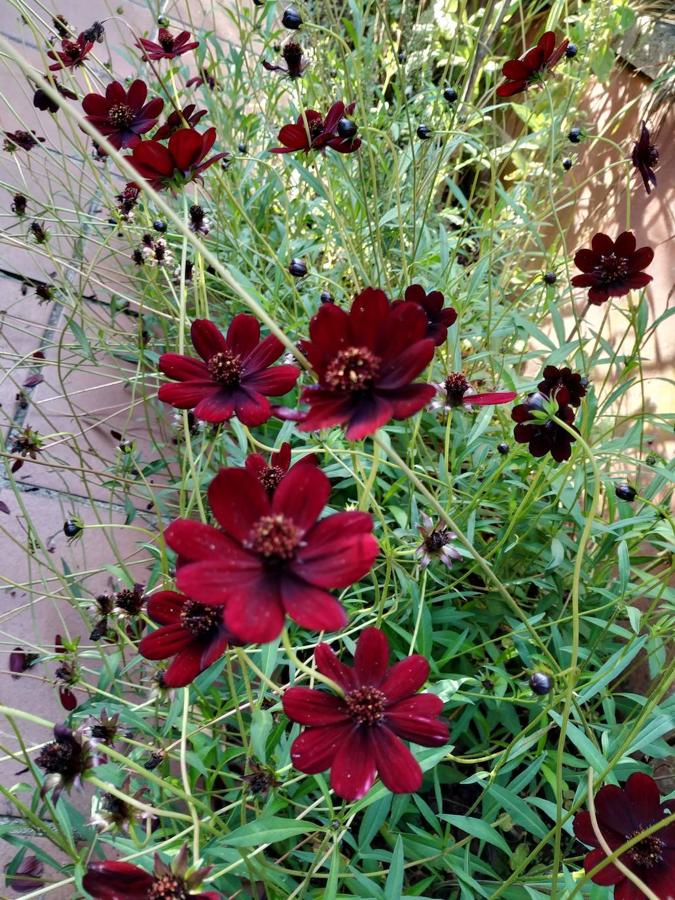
(436,543)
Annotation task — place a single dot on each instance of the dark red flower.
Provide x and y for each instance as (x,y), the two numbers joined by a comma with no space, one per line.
(457,391)
(116,880)
(544,435)
(186,118)
(204,77)
(314,132)
(366,361)
(273,556)
(167,46)
(20,661)
(234,376)
(530,68)
(192,633)
(294,62)
(554,379)
(270,474)
(439,319)
(26,140)
(26,877)
(645,157)
(65,760)
(122,116)
(359,736)
(72,53)
(179,163)
(612,268)
(45,103)
(623,813)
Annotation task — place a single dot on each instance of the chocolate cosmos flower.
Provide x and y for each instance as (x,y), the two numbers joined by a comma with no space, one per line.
(45,103)
(366,361)
(194,634)
(457,392)
(359,735)
(623,813)
(269,475)
(612,268)
(645,157)
(234,375)
(554,379)
(294,63)
(273,556)
(27,877)
(439,319)
(530,68)
(71,54)
(314,132)
(544,436)
(65,760)
(123,116)
(186,118)
(179,163)
(167,46)
(436,543)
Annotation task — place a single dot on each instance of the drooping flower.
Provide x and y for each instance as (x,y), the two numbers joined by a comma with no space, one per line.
(186,118)
(622,813)
(128,602)
(294,62)
(113,813)
(530,68)
(541,434)
(179,163)
(360,735)
(234,376)
(65,760)
(27,876)
(167,45)
(270,474)
(272,557)
(123,116)
(45,103)
(103,729)
(645,156)
(365,361)
(66,674)
(439,318)
(612,268)
(312,131)
(195,635)
(204,77)
(436,542)
(455,391)
(25,140)
(20,661)
(114,880)
(71,54)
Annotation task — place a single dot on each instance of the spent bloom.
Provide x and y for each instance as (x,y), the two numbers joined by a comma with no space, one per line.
(361,734)
(43,102)
(612,268)
(294,61)
(65,760)
(182,161)
(622,813)
(234,376)
(312,131)
(436,543)
(439,318)
(167,45)
(272,556)
(25,140)
(455,391)
(113,879)
(71,54)
(27,876)
(645,156)
(366,361)
(530,68)
(122,116)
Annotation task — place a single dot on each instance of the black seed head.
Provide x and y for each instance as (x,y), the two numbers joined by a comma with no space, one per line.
(325,297)
(541,683)
(291,18)
(163,22)
(159,226)
(567,164)
(424,132)
(574,135)
(550,278)
(346,128)
(624,491)
(503,449)
(297,268)
(71,528)
(571,51)
(242,148)
(450,94)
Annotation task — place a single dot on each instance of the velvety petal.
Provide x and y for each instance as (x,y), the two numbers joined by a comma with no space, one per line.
(165,642)
(515,70)
(314,750)
(255,613)
(490,398)
(371,413)
(398,768)
(165,607)
(546,44)
(405,678)
(372,657)
(613,811)
(138,91)
(606,876)
(354,768)
(661,879)
(638,280)
(339,550)
(509,88)
(274,382)
(644,798)
(584,280)
(207,339)
(267,352)
(293,137)
(602,244)
(238,500)
(408,400)
(302,495)
(325,411)
(243,334)
(217,406)
(95,105)
(333,116)
(112,880)
(185,147)
(625,244)
(251,408)
(311,607)
(407,366)
(190,663)
(369,309)
(583,829)
(214,583)
(598,295)
(330,332)
(626,890)
(640,259)
(328,664)
(416,719)
(310,707)
(186,394)
(154,157)
(183,368)
(586,260)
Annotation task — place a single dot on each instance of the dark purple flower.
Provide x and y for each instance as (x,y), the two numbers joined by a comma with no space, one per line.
(554,379)
(27,876)
(182,161)
(45,103)
(530,68)
(26,140)
(186,118)
(167,45)
(116,880)
(612,268)
(360,735)
(314,132)
(65,761)
(20,661)
(123,116)
(294,62)
(439,318)
(71,54)
(544,435)
(270,474)
(645,156)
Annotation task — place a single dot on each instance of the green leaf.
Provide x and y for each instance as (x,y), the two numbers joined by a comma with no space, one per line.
(521,813)
(479,829)
(394,884)
(261,725)
(267,830)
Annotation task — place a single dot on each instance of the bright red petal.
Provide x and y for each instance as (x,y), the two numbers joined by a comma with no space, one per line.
(207,339)
(196,541)
(328,664)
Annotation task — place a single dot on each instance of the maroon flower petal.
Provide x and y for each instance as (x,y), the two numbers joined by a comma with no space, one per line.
(354,768)
(584,280)
(606,876)
(293,137)
(243,334)
(407,366)
(152,157)
(661,879)
(644,798)
(415,720)
(250,407)
(371,413)
(625,244)
(112,880)
(255,613)
(310,707)
(328,664)
(640,259)
(638,280)
(333,116)
(613,811)
(301,496)
(598,295)
(238,500)
(189,663)
(185,146)
(165,642)
(398,768)
(510,88)
(405,677)
(213,583)
(187,394)
(490,398)
(586,260)
(369,309)
(311,607)
(197,541)
(372,657)
(217,406)
(268,351)
(314,750)
(207,339)
(274,382)
(165,607)
(583,829)
(602,244)
(183,368)
(336,556)
(515,70)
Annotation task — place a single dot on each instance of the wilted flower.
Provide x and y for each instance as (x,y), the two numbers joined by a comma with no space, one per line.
(294,62)
(111,879)
(314,132)
(102,730)
(20,661)
(25,140)
(27,443)
(455,391)
(199,223)
(530,68)
(645,156)
(122,116)
(154,251)
(167,45)
(612,268)
(43,102)
(188,117)
(439,319)
(38,231)
(272,557)
(71,54)
(26,877)
(179,163)
(623,813)
(436,543)
(65,761)
(113,813)
(128,603)
(234,375)
(95,32)
(260,780)
(127,200)
(204,77)
(359,735)
(19,205)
